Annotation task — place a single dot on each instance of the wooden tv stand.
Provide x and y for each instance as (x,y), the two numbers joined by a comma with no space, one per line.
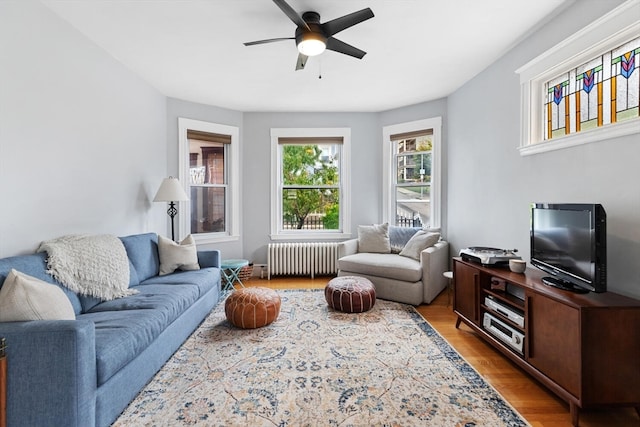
(583,347)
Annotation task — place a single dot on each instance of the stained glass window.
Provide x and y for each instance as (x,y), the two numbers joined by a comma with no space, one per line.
(600,92)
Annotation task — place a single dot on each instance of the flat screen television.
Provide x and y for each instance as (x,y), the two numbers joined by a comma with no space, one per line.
(569,241)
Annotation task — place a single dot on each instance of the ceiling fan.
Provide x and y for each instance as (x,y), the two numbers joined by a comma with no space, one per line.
(313,37)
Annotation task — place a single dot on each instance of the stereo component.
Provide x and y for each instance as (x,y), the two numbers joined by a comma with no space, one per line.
(508,312)
(504,332)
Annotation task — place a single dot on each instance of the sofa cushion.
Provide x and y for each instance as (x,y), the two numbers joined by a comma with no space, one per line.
(88,302)
(24,298)
(374,238)
(35,265)
(127,326)
(142,250)
(419,242)
(174,256)
(204,279)
(382,265)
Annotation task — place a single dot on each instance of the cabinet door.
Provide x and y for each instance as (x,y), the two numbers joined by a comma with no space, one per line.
(554,341)
(466,292)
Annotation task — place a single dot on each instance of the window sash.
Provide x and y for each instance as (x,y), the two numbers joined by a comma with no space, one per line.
(310,136)
(307,141)
(390,164)
(228,136)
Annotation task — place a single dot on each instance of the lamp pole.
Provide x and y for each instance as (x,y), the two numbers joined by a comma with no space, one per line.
(171,191)
(172,211)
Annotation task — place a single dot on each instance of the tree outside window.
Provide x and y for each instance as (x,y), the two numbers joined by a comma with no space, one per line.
(310,186)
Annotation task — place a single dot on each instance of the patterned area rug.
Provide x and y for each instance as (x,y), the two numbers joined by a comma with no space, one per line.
(318,367)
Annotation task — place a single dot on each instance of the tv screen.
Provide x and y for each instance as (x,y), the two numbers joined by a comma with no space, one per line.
(568,241)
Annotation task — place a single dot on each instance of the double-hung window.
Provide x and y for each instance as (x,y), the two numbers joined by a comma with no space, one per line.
(309,198)
(411,174)
(207,166)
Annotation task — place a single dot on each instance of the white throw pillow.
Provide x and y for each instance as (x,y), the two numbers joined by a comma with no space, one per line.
(374,238)
(174,256)
(419,242)
(24,297)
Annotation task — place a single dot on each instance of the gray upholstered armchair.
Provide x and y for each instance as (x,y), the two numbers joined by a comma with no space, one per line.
(406,272)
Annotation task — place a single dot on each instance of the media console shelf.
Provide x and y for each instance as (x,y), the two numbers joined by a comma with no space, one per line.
(583,347)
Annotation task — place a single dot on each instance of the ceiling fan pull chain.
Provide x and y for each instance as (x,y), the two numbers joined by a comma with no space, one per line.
(319,68)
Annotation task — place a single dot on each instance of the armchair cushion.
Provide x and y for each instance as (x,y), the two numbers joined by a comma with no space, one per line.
(384,265)
(374,238)
(419,242)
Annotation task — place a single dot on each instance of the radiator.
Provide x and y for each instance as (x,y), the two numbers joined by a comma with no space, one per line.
(302,259)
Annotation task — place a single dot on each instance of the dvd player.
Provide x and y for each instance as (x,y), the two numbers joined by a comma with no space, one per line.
(508,312)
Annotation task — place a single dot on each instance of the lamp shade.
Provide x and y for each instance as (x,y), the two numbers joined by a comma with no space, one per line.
(170,191)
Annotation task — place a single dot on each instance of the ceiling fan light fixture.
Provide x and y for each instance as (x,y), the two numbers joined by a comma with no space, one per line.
(312,44)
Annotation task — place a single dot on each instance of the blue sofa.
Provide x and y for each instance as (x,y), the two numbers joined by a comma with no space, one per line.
(85,372)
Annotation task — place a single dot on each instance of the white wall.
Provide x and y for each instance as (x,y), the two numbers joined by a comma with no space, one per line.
(82,139)
(490,186)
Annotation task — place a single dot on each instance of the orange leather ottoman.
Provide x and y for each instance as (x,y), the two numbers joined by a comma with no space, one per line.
(253,307)
(350,294)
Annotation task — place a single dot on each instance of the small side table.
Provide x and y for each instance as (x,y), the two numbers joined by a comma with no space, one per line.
(230,273)
(449,276)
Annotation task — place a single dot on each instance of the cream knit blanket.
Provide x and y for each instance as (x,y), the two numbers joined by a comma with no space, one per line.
(90,265)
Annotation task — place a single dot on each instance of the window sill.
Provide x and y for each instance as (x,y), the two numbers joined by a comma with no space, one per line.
(310,236)
(629,127)
(204,239)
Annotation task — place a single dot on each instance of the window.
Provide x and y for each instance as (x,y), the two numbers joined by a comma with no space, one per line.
(586,88)
(600,92)
(209,166)
(310,198)
(412,174)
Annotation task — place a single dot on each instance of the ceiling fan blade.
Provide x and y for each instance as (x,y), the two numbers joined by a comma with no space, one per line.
(302,61)
(336,25)
(268,41)
(292,14)
(342,47)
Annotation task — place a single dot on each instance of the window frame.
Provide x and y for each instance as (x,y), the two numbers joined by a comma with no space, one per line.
(277,232)
(605,33)
(389,177)
(232,202)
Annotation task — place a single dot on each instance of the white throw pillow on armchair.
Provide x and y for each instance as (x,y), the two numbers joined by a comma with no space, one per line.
(419,242)
(374,238)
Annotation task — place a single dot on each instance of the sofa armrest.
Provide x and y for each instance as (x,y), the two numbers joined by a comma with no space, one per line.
(51,372)
(435,261)
(348,247)
(209,258)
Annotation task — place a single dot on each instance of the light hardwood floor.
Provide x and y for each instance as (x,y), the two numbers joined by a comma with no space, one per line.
(535,403)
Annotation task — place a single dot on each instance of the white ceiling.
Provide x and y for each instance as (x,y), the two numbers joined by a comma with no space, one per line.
(417,50)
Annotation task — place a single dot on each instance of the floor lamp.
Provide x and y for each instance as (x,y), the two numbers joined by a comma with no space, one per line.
(171,191)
